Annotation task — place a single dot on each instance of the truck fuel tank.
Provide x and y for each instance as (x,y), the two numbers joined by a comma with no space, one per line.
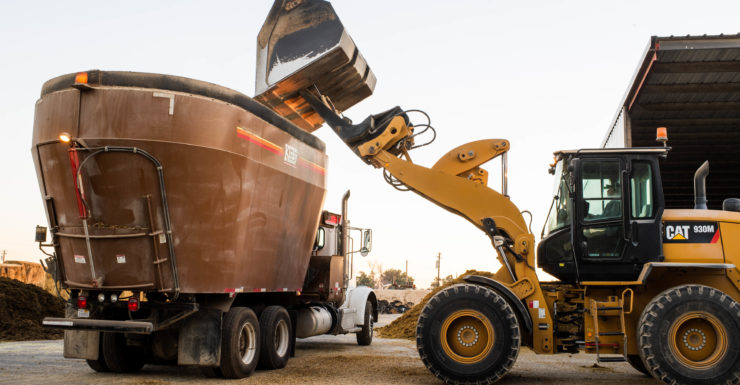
(313,321)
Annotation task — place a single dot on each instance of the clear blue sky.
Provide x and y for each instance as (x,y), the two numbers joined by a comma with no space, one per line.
(546,75)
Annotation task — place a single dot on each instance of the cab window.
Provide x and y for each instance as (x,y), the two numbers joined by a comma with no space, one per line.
(641,190)
(602,193)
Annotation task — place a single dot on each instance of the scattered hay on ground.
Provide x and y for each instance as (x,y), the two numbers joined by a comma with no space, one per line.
(405,325)
(22,308)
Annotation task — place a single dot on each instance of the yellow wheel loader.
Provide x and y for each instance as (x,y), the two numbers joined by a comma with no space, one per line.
(655,287)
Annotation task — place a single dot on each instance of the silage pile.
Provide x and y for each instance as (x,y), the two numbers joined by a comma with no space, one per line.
(22,308)
(405,325)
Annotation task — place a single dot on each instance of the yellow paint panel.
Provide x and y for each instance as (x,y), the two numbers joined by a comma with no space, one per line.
(730,235)
(694,252)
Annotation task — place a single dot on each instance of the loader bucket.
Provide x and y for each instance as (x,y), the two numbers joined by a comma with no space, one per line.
(303,45)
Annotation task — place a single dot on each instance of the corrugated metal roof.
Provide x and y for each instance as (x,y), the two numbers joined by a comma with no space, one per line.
(690,84)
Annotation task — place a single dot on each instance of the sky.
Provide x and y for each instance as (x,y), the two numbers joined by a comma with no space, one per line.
(546,75)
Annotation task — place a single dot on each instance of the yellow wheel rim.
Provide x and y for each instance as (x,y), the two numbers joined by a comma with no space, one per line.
(698,340)
(467,336)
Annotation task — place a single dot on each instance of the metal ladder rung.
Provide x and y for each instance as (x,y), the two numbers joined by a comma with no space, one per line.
(598,309)
(611,334)
(611,359)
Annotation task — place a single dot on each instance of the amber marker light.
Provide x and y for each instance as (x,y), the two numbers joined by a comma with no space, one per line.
(81,77)
(661,135)
(65,137)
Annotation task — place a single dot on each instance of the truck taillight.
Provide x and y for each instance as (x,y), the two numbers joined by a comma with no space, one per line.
(133,304)
(332,219)
(82,302)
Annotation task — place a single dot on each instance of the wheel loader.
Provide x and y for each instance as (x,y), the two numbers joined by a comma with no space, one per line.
(638,282)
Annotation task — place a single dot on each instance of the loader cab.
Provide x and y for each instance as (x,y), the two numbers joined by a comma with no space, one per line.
(604,222)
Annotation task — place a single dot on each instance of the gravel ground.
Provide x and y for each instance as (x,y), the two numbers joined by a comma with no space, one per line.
(318,360)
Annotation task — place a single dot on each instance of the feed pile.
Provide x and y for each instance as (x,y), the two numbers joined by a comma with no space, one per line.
(22,308)
(405,325)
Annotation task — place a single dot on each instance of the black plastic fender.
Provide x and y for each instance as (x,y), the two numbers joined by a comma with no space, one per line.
(507,293)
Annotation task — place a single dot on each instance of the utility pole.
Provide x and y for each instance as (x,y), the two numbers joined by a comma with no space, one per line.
(407,272)
(3,255)
(439,258)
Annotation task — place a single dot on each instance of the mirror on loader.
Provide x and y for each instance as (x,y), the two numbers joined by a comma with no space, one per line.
(367,242)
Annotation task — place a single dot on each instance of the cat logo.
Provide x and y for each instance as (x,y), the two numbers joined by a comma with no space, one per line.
(677,233)
(691,232)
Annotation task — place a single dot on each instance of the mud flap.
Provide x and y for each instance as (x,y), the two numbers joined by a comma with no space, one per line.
(200,339)
(81,344)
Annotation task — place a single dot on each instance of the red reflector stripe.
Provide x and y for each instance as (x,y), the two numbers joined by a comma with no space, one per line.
(715,238)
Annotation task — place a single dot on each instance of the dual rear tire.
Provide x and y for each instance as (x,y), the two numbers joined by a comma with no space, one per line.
(248,342)
(115,355)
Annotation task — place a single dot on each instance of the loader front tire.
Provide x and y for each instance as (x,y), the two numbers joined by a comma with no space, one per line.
(468,334)
(691,334)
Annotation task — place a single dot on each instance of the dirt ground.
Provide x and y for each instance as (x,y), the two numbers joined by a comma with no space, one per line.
(318,360)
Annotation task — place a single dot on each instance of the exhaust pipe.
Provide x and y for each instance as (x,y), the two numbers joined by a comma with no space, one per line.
(700,188)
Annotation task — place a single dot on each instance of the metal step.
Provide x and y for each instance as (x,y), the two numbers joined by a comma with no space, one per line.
(611,334)
(611,359)
(607,308)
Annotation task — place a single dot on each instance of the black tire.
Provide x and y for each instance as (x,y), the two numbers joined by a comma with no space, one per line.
(120,357)
(240,343)
(276,335)
(636,362)
(690,334)
(211,371)
(99,364)
(365,336)
(468,334)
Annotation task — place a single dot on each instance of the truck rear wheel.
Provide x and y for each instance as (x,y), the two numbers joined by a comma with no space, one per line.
(275,328)
(120,357)
(365,336)
(99,364)
(468,334)
(240,343)
(691,334)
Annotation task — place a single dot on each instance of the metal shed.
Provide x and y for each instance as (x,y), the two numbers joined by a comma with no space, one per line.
(690,84)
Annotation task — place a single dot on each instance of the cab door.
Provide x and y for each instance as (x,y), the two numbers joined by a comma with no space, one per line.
(645,206)
(599,235)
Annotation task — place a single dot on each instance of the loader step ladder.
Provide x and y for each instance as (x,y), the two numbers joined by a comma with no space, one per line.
(614,307)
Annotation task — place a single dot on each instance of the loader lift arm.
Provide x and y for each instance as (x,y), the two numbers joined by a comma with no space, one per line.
(456,182)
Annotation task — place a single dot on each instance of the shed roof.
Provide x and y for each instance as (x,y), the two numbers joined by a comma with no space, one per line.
(691,85)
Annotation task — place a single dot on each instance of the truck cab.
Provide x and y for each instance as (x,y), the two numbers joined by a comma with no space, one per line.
(604,222)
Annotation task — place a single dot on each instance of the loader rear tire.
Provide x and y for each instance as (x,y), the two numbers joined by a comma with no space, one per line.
(275,331)
(691,334)
(240,343)
(120,357)
(468,334)
(636,362)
